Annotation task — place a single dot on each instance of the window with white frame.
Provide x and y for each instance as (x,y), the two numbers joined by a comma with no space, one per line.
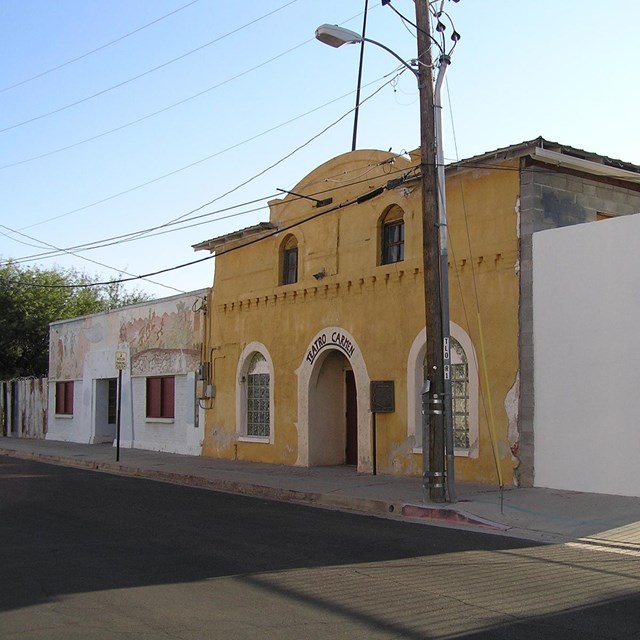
(254,394)
(392,236)
(459,393)
(64,398)
(258,382)
(464,391)
(161,397)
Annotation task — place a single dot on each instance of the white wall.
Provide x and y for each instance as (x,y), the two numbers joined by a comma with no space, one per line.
(181,434)
(586,319)
(160,337)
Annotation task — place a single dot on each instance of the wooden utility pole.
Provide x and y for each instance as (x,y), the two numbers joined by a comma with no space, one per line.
(433,451)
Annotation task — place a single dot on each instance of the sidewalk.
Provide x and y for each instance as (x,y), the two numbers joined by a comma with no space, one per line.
(546,515)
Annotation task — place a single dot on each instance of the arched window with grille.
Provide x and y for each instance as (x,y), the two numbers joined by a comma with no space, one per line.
(254,398)
(464,391)
(459,393)
(258,379)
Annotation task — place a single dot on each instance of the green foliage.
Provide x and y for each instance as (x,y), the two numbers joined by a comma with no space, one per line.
(31,298)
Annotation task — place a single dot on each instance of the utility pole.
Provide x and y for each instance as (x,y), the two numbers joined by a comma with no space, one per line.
(433,442)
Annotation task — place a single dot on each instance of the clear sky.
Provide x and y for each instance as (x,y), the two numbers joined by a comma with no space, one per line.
(122,115)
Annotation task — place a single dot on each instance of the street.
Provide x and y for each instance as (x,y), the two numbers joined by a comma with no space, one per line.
(85,554)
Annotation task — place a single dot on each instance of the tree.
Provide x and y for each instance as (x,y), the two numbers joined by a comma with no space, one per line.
(31,298)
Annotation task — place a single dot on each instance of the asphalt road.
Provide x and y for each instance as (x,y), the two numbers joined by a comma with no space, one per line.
(91,555)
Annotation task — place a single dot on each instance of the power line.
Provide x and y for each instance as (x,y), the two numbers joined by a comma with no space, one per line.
(172,106)
(163,229)
(155,113)
(141,75)
(209,157)
(366,196)
(101,264)
(149,233)
(100,48)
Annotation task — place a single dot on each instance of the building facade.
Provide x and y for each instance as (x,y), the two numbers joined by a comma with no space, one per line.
(158,347)
(317,309)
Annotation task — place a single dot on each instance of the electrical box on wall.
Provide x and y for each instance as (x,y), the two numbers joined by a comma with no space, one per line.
(202,373)
(205,391)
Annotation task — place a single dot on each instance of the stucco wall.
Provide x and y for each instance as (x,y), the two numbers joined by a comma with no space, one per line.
(162,337)
(586,312)
(380,306)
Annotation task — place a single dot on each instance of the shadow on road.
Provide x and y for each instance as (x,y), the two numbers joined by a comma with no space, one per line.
(65,531)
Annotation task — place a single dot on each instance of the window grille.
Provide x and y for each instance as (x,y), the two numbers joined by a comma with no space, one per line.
(459,394)
(258,382)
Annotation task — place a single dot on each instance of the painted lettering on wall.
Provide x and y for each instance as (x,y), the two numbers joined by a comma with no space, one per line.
(333,339)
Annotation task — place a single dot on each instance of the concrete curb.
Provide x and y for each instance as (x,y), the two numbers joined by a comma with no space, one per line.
(446,515)
(238,487)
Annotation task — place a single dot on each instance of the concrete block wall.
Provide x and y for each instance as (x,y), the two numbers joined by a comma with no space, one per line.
(552,198)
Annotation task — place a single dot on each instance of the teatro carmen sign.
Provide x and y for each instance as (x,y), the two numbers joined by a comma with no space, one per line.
(334,339)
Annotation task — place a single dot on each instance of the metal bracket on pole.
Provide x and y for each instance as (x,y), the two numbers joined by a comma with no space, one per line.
(436,405)
(433,480)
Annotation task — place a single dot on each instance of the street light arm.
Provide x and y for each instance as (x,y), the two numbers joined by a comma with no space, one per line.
(394,54)
(336,36)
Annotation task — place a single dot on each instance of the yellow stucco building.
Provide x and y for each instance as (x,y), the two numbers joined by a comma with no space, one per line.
(309,308)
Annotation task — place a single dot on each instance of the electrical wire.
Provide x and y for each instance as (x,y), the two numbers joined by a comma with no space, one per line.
(209,157)
(137,235)
(155,231)
(100,48)
(141,75)
(164,109)
(155,113)
(416,27)
(101,264)
(293,225)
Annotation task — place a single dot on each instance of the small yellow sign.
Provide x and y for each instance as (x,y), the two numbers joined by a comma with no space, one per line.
(121,359)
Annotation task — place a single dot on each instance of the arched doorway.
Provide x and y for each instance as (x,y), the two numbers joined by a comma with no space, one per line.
(334,420)
(333,412)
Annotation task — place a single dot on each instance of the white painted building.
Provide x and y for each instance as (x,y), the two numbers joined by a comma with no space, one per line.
(160,345)
(586,314)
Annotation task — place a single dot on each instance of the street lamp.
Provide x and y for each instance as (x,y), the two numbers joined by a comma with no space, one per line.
(336,36)
(437,410)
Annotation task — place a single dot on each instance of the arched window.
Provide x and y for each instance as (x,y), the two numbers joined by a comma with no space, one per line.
(254,394)
(392,236)
(464,391)
(258,380)
(289,260)
(459,393)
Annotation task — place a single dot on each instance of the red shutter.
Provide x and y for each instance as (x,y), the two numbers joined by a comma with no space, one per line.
(64,398)
(168,397)
(68,398)
(59,397)
(154,392)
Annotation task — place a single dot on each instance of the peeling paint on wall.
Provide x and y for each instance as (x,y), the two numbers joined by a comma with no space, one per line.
(221,440)
(401,460)
(169,331)
(511,403)
(164,361)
